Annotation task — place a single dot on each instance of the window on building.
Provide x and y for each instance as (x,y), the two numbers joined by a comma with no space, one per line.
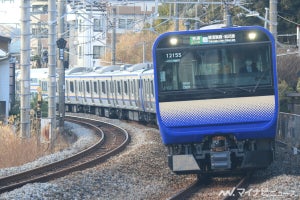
(130,23)
(40,8)
(98,52)
(126,23)
(98,25)
(122,23)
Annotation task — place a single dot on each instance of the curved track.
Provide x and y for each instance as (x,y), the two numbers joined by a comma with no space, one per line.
(112,140)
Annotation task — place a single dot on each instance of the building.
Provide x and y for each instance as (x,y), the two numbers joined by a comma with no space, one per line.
(5,74)
(91,24)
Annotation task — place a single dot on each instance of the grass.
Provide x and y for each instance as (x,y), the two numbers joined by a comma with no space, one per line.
(15,151)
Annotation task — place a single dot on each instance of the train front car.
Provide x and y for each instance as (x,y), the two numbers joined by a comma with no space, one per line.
(216,98)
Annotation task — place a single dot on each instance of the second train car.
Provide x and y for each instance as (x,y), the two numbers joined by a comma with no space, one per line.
(216,98)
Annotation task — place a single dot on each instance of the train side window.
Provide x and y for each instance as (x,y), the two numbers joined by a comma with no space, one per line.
(119,87)
(152,87)
(72,86)
(80,87)
(103,87)
(87,87)
(95,87)
(125,87)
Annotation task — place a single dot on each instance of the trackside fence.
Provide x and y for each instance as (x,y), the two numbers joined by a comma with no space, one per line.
(289,129)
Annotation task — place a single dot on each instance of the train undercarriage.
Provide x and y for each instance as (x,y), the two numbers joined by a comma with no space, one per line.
(220,154)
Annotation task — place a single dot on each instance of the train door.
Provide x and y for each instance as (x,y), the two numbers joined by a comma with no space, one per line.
(114,93)
(76,90)
(100,91)
(125,93)
(80,92)
(121,94)
(152,94)
(139,88)
(132,93)
(129,93)
(86,90)
(136,93)
(109,89)
(144,93)
(148,95)
(94,89)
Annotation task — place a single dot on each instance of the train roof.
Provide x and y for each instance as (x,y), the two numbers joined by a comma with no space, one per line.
(115,70)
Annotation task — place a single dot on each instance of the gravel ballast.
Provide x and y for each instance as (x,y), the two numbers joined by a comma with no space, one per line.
(141,172)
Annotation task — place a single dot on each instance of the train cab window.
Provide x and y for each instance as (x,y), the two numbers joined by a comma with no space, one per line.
(103,87)
(72,86)
(95,87)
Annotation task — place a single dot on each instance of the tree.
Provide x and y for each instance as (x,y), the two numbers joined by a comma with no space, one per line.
(288,70)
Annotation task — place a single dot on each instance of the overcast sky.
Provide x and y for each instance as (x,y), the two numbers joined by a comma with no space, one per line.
(10,12)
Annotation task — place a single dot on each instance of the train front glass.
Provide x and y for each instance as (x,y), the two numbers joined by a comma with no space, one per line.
(214,65)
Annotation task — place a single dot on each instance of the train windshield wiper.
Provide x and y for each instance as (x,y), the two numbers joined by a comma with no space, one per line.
(245,89)
(259,80)
(222,91)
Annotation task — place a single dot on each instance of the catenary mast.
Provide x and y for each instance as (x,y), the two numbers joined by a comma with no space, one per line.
(25,69)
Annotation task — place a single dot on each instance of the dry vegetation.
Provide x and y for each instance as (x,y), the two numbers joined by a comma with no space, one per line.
(16,151)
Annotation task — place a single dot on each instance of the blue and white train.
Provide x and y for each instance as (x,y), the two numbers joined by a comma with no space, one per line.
(124,92)
(213,94)
(216,98)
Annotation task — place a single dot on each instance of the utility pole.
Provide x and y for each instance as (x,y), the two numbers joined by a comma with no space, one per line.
(25,69)
(298,39)
(273,18)
(113,37)
(61,70)
(227,16)
(176,15)
(51,68)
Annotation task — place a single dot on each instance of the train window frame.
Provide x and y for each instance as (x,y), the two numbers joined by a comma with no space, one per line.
(152,87)
(87,87)
(71,83)
(95,87)
(168,56)
(103,87)
(126,87)
(119,91)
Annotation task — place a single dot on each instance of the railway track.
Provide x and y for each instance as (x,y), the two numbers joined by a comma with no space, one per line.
(207,187)
(112,140)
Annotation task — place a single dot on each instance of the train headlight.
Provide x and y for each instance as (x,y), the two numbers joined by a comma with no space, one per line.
(173,41)
(252,35)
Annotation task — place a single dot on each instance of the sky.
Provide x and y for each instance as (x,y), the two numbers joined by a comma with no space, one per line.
(10,11)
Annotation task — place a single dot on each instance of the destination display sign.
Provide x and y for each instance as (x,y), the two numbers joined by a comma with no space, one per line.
(212,39)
